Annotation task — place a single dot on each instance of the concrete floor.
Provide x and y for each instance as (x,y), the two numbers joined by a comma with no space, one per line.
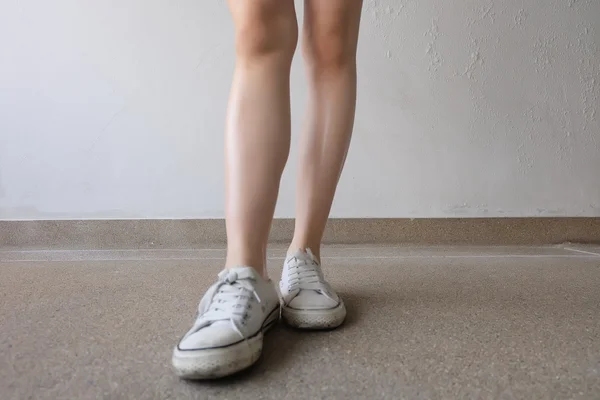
(430,323)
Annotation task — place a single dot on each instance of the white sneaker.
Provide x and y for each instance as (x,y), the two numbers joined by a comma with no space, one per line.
(227,336)
(308,300)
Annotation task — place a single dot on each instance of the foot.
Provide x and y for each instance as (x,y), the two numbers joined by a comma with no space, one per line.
(227,336)
(308,301)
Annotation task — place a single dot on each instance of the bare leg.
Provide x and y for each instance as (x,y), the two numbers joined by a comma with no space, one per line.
(329,45)
(223,338)
(258,124)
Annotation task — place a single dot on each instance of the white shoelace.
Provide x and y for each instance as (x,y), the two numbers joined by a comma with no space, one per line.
(305,273)
(230,301)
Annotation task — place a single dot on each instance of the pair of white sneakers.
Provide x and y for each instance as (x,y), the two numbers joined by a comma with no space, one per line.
(235,312)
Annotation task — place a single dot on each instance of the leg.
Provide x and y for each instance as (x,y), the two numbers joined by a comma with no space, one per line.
(227,335)
(258,124)
(330,39)
(329,45)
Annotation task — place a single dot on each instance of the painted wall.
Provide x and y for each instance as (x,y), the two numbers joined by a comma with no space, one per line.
(115,109)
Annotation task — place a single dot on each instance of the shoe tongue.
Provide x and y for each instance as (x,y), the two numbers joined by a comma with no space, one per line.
(302,255)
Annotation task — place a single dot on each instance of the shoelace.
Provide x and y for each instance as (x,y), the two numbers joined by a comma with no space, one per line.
(304,274)
(231,301)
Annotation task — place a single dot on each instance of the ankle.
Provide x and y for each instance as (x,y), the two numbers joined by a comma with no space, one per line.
(255,261)
(260,271)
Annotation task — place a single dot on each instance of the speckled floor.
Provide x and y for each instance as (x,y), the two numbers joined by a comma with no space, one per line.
(431,323)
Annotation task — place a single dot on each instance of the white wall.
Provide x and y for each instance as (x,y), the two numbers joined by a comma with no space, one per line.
(115,108)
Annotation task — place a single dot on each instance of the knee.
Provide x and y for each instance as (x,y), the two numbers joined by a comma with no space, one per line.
(329,51)
(267,31)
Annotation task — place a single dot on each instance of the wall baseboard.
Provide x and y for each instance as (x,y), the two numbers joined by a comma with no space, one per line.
(116,234)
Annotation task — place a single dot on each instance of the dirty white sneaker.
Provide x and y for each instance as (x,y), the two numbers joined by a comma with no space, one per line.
(227,336)
(308,301)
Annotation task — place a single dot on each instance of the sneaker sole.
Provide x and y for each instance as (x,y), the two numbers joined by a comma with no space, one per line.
(221,362)
(314,319)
